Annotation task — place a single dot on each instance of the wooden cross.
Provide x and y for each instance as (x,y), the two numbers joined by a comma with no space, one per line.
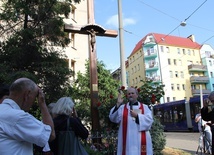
(92,30)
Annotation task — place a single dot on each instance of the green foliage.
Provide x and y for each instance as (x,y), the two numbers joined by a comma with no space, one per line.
(149,89)
(30,28)
(158,137)
(107,89)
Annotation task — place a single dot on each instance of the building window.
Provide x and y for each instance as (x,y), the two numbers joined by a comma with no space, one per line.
(176,73)
(178,86)
(182,74)
(161,49)
(193,87)
(138,67)
(183,86)
(72,38)
(171,74)
(179,62)
(167,49)
(174,98)
(189,52)
(184,52)
(210,62)
(211,74)
(178,50)
(193,52)
(72,13)
(172,86)
(168,99)
(169,62)
(175,62)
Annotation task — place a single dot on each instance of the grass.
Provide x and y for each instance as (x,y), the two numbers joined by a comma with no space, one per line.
(172,151)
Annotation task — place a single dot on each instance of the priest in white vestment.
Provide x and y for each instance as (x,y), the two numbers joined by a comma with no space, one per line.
(135,120)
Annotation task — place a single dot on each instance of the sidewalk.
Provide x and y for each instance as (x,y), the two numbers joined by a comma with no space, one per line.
(183,141)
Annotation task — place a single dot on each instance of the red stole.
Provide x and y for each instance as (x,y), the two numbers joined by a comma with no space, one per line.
(124,130)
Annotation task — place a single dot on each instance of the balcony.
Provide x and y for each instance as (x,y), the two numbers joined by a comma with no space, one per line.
(155,79)
(198,68)
(149,42)
(199,79)
(150,53)
(196,92)
(152,65)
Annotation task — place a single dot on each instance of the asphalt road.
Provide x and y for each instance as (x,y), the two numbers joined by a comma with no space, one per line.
(187,141)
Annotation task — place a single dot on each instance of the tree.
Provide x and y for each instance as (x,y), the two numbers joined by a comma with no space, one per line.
(107,89)
(150,92)
(32,44)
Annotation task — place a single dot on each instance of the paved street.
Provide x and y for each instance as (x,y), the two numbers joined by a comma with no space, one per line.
(187,141)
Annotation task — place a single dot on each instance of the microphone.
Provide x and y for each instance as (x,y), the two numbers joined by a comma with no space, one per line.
(130,103)
(131,107)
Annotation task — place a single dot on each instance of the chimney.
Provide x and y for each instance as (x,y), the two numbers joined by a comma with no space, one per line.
(191,37)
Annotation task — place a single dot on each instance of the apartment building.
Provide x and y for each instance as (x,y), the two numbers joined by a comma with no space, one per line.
(78,50)
(173,61)
(207,56)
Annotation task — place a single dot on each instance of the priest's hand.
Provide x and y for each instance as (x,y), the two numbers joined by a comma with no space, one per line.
(133,114)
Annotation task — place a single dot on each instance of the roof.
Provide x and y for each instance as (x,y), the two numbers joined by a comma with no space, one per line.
(163,39)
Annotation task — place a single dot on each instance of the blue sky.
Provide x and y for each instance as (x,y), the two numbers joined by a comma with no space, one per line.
(141,17)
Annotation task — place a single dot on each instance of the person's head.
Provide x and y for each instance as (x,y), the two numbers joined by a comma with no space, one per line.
(24,92)
(132,94)
(211,97)
(64,106)
(4,92)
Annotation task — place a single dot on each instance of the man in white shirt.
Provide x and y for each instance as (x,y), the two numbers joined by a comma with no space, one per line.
(135,120)
(18,129)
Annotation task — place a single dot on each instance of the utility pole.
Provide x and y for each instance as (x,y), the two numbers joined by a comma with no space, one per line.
(122,59)
(92,30)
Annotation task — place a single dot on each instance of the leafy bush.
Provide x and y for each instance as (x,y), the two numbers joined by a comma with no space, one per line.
(158,137)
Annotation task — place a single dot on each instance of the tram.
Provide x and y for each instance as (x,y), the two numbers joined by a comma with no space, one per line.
(179,115)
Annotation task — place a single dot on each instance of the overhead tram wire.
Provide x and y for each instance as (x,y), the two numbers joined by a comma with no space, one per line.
(172,18)
(158,10)
(175,27)
(195,10)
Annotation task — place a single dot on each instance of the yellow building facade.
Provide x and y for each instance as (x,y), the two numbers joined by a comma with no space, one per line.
(173,61)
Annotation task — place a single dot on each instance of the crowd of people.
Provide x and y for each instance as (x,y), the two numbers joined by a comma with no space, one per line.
(22,131)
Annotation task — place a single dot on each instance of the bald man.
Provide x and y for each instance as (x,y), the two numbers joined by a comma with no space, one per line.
(18,129)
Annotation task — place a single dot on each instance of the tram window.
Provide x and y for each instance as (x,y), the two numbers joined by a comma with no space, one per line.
(178,113)
(167,116)
(175,115)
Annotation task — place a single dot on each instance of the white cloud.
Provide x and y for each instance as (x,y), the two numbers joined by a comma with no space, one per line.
(113,21)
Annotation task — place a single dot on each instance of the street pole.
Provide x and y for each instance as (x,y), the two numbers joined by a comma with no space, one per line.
(122,59)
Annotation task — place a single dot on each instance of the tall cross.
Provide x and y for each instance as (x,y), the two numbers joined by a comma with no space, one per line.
(92,30)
